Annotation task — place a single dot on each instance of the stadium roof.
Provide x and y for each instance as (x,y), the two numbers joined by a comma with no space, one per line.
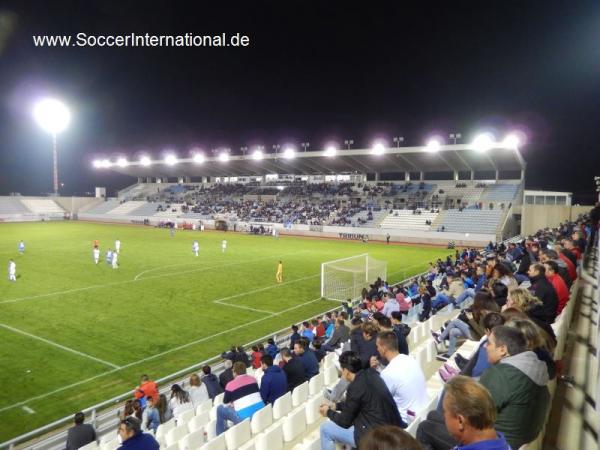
(458,157)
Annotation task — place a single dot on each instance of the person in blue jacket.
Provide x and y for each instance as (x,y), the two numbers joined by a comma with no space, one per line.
(132,438)
(308,358)
(273,383)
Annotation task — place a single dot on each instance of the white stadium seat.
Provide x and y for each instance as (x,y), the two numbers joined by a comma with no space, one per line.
(192,441)
(185,417)
(315,384)
(91,446)
(175,434)
(331,376)
(282,406)
(312,408)
(206,405)
(199,421)
(262,419)
(300,394)
(294,424)
(217,443)
(271,438)
(238,435)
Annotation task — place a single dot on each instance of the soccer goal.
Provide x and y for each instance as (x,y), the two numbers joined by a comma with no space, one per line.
(345,278)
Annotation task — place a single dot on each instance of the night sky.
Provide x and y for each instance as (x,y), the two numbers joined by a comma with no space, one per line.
(313,71)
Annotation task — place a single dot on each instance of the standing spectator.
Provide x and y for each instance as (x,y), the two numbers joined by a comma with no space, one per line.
(368,404)
(400,330)
(295,336)
(132,438)
(227,375)
(211,382)
(293,368)
(403,377)
(241,399)
(180,401)
(81,434)
(274,381)
(307,357)
(198,392)
(272,348)
(256,355)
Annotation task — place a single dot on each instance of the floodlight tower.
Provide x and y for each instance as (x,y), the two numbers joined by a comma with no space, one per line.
(52,116)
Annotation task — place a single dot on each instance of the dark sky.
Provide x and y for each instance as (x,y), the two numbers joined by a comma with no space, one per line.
(313,71)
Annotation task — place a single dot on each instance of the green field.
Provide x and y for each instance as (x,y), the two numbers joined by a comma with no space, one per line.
(74,334)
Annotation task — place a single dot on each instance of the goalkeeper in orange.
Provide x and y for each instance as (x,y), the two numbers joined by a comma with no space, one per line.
(279,274)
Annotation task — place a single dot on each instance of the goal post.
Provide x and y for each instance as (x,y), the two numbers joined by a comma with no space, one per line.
(345,278)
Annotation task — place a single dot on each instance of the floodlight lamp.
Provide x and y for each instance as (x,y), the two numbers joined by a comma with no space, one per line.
(170,160)
(378,149)
(330,151)
(257,155)
(483,142)
(289,153)
(198,158)
(433,145)
(105,163)
(97,164)
(145,161)
(122,162)
(223,157)
(512,141)
(52,115)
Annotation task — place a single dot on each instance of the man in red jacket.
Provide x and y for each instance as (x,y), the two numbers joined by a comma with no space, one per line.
(559,285)
(147,388)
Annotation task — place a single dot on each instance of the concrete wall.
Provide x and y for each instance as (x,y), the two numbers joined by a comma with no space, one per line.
(75,204)
(535,217)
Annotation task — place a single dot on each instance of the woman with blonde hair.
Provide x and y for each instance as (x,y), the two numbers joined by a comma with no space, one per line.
(521,299)
(198,392)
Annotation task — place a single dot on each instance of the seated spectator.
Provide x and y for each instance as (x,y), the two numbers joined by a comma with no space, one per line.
(391,304)
(147,387)
(256,356)
(500,293)
(543,289)
(81,434)
(293,368)
(241,400)
(469,415)
(272,348)
(368,404)
(180,401)
(132,437)
(274,381)
(198,392)
(340,335)
(396,326)
(307,358)
(517,382)
(559,285)
(455,288)
(318,351)
(211,382)
(426,292)
(536,342)
(403,377)
(227,375)
(470,292)
(306,332)
(150,416)
(368,347)
(295,336)
(389,437)
(164,411)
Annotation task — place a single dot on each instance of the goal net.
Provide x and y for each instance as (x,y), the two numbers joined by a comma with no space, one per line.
(345,278)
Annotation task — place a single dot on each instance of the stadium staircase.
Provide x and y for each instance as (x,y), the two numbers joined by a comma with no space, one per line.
(405,219)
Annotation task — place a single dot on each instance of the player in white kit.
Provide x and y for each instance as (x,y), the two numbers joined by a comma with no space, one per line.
(223,245)
(118,246)
(12,271)
(195,248)
(96,253)
(115,256)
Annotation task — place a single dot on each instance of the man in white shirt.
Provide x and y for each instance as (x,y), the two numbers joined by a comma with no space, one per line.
(118,246)
(195,248)
(223,245)
(115,264)
(12,271)
(402,376)
(96,253)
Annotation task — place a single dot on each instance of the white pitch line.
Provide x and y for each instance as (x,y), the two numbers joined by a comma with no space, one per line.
(55,344)
(271,286)
(149,358)
(27,409)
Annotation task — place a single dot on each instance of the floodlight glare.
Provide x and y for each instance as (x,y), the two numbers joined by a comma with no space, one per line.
(433,145)
(223,157)
(198,158)
(289,153)
(378,149)
(145,161)
(53,116)
(97,163)
(511,141)
(483,142)
(170,160)
(122,162)
(330,151)
(257,155)
(105,163)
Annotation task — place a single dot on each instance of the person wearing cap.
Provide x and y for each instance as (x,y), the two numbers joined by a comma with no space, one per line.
(132,438)
(455,288)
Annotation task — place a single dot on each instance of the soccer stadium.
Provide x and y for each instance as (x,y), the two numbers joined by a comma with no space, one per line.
(388,293)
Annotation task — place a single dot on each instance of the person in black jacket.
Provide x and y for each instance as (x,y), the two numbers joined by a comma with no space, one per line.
(211,382)
(227,375)
(368,404)
(293,368)
(368,347)
(81,434)
(543,289)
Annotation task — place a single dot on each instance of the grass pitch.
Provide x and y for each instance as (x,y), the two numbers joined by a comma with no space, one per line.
(74,333)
